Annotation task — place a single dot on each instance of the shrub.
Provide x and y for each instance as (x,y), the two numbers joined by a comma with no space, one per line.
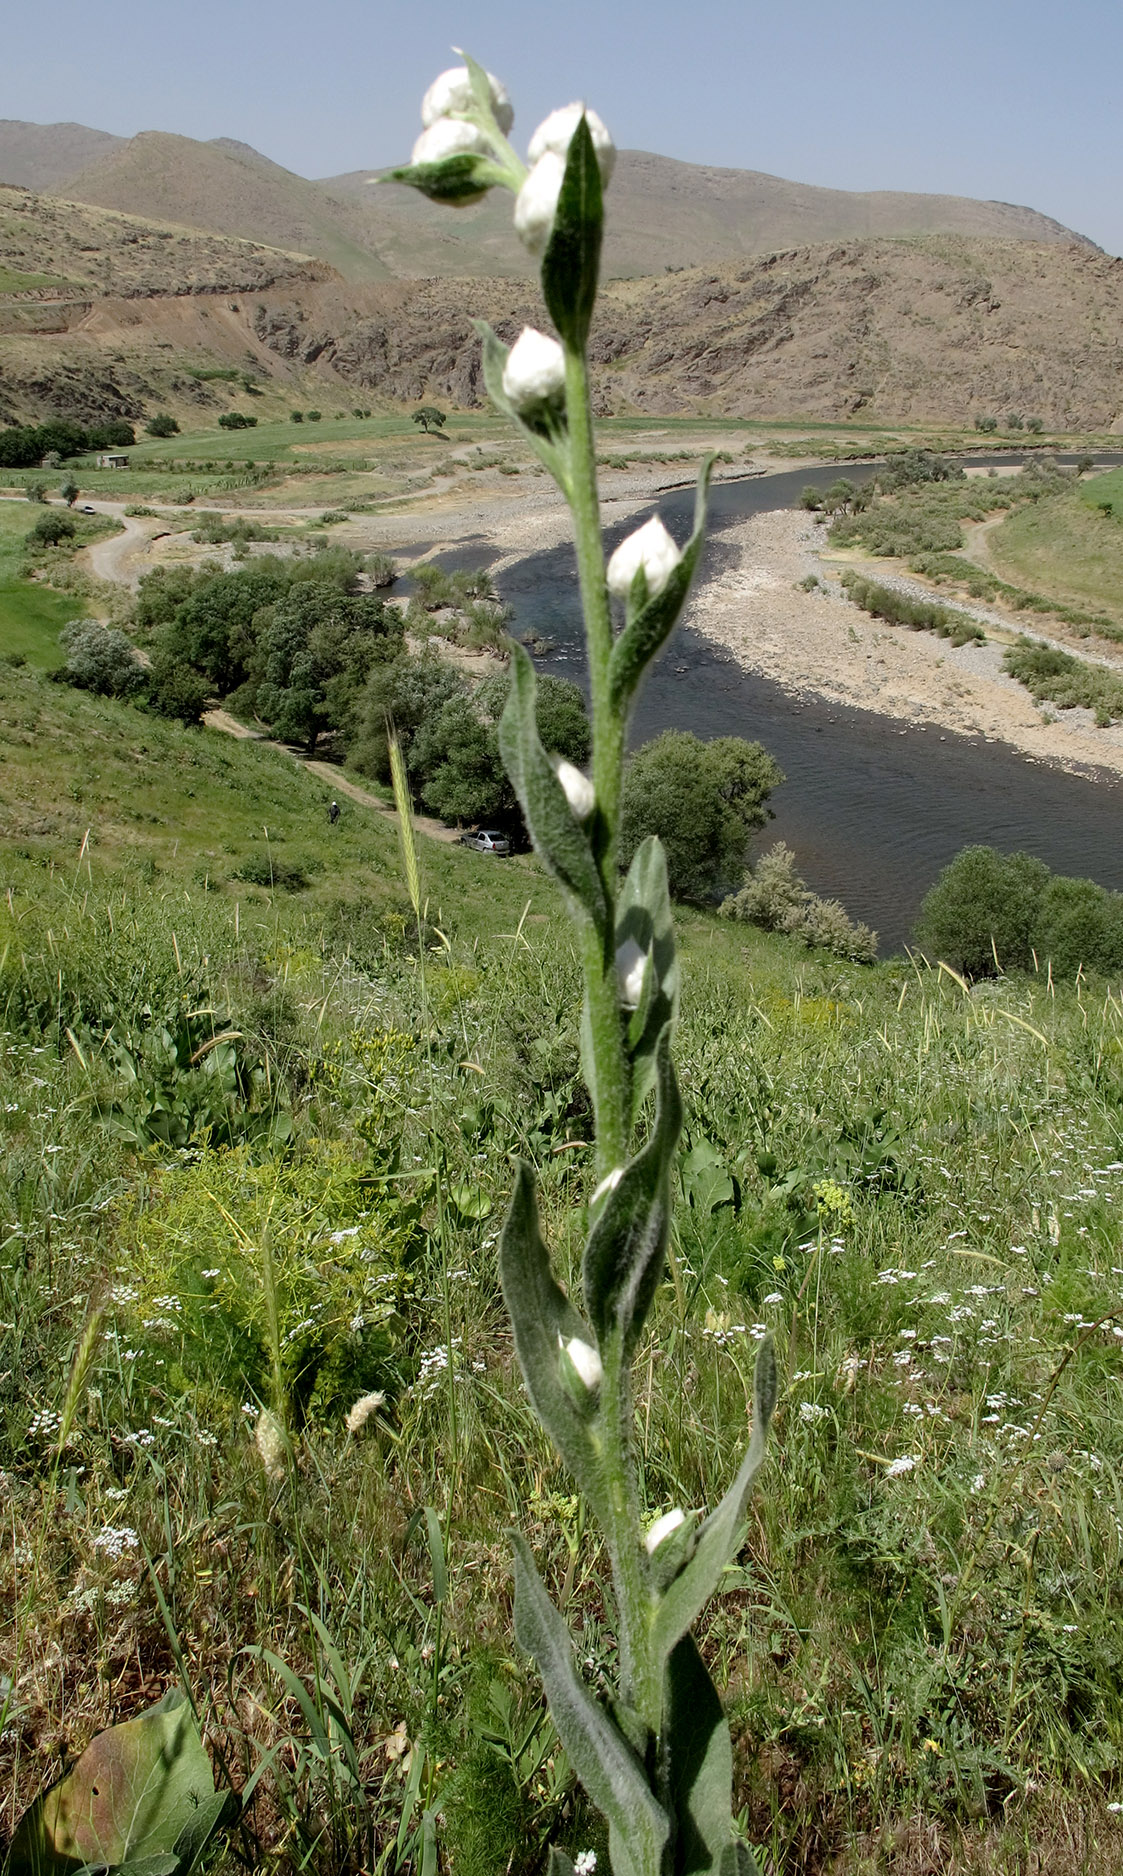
(777,899)
(101,660)
(1057,677)
(236,420)
(704,800)
(162,424)
(314,416)
(270,869)
(981,914)
(920,615)
(987,425)
(296,416)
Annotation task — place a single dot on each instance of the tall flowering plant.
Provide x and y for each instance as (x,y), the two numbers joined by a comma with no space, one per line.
(656,1759)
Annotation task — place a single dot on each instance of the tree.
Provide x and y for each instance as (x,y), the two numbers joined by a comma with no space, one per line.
(430,418)
(176,690)
(36,491)
(981,913)
(50,529)
(100,659)
(70,492)
(316,656)
(314,416)
(986,424)
(296,416)
(236,420)
(162,424)
(704,800)
(403,695)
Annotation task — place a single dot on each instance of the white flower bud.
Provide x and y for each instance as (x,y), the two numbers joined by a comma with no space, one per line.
(535,370)
(271,1447)
(651,548)
(608,1184)
(579,790)
(556,133)
(449,136)
(537,201)
(452,91)
(662,1528)
(586,1361)
(631,964)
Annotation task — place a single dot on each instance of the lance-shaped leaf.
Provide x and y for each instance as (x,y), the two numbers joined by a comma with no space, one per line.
(697,1760)
(648,626)
(571,263)
(624,1254)
(720,1536)
(644,915)
(455,180)
(610,1771)
(559,838)
(560,1864)
(543,1320)
(548,436)
(138,1792)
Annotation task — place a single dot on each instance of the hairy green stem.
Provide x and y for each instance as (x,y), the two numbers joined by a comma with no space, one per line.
(640,1687)
(612,1091)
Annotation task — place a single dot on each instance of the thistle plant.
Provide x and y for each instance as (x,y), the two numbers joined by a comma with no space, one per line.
(656,1760)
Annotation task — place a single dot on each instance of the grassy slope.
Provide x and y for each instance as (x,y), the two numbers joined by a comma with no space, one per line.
(931,1654)
(1065,549)
(31,615)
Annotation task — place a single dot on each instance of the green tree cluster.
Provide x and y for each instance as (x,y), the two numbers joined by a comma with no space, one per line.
(990,912)
(24,446)
(704,800)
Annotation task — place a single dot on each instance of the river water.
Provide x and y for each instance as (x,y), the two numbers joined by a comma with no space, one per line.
(872,809)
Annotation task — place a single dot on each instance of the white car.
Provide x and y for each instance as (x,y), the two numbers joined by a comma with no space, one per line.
(486,841)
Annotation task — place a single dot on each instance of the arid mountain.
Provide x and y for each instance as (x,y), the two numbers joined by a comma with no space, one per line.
(41,156)
(940,328)
(656,207)
(227,187)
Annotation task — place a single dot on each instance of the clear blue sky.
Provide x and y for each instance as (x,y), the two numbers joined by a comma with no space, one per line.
(1014,99)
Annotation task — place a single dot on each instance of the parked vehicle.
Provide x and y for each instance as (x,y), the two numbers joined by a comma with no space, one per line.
(486,840)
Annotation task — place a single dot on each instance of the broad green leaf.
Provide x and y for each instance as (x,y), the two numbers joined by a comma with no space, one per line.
(644,915)
(543,1320)
(208,1818)
(134,1791)
(571,263)
(649,624)
(559,1864)
(697,1763)
(559,839)
(610,1771)
(720,1536)
(624,1254)
(738,1860)
(470,1201)
(706,1179)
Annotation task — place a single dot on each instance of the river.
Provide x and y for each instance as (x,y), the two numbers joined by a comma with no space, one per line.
(872,809)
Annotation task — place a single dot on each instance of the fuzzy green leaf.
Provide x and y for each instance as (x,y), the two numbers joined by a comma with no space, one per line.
(571,263)
(738,1860)
(560,1864)
(644,915)
(559,839)
(456,181)
(720,1536)
(650,622)
(543,1319)
(626,1247)
(610,1771)
(697,1763)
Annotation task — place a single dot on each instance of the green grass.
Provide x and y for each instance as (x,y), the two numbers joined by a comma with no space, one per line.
(1064,549)
(31,615)
(916,1189)
(13,281)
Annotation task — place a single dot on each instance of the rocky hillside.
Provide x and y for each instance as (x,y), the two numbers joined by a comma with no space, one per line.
(941,329)
(40,156)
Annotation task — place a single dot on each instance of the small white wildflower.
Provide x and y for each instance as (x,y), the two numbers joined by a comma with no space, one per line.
(579,790)
(586,1860)
(452,92)
(608,1184)
(900,1467)
(651,548)
(774,1298)
(631,964)
(662,1528)
(1115,1807)
(449,136)
(586,1361)
(270,1442)
(360,1413)
(978,1482)
(115,1540)
(535,370)
(555,134)
(537,202)
(810,1411)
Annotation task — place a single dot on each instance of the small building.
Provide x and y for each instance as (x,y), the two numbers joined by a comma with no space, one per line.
(112,461)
